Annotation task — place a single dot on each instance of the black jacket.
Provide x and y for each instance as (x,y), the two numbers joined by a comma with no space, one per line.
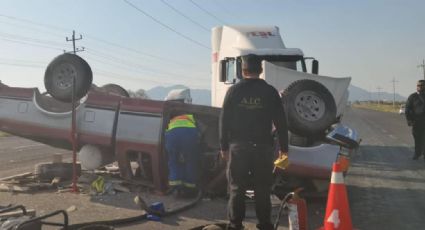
(415,109)
(249,110)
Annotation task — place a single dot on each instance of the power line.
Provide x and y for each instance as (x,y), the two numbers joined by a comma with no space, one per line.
(20,60)
(136,51)
(183,15)
(35,23)
(27,27)
(114,60)
(222,7)
(30,44)
(51,44)
(97,71)
(207,12)
(95,39)
(19,37)
(166,26)
(21,65)
(135,67)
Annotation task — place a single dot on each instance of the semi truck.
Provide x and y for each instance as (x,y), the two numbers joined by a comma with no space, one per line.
(110,126)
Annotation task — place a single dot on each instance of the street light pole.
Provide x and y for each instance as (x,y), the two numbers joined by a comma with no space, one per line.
(379,94)
(423,67)
(394,81)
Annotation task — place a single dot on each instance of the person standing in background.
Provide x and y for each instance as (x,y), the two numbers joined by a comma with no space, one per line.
(415,115)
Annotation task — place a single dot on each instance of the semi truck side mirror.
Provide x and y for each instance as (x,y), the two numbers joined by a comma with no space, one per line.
(315,67)
(223,71)
(239,68)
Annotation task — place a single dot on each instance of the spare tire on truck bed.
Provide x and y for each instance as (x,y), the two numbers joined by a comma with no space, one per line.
(60,72)
(310,108)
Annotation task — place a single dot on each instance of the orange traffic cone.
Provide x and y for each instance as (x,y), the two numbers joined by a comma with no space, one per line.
(337,209)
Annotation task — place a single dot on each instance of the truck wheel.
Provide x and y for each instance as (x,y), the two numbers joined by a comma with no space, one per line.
(60,72)
(115,90)
(48,171)
(310,108)
(297,140)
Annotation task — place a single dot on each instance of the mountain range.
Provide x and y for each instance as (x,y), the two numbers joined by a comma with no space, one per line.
(359,94)
(203,96)
(199,96)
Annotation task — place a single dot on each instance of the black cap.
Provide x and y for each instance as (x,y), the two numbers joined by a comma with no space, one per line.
(251,63)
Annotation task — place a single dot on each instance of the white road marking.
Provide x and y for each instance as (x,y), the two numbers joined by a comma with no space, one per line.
(28,146)
(384,131)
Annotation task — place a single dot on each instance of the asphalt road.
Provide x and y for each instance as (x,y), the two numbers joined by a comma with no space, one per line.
(385,187)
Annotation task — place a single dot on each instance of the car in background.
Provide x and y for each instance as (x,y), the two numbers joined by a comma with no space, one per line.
(402,109)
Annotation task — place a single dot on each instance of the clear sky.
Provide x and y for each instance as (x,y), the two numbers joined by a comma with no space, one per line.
(167,42)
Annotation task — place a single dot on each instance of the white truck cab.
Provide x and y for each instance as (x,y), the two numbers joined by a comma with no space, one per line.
(229,43)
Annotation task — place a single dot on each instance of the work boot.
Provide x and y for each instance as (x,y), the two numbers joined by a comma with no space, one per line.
(267,226)
(234,227)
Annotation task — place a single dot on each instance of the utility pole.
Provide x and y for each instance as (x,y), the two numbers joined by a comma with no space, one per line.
(423,67)
(74,138)
(379,94)
(73,39)
(394,81)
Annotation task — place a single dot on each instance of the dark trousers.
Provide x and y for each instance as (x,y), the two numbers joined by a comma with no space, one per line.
(418,132)
(250,163)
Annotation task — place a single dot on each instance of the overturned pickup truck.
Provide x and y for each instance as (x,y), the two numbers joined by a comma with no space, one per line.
(113,127)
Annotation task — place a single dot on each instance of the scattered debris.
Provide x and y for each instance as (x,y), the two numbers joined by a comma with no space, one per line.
(25,182)
(71,208)
(56,176)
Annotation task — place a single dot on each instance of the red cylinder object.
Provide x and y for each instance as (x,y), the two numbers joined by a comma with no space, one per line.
(297,213)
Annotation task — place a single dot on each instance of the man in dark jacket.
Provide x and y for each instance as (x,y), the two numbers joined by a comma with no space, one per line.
(250,108)
(415,115)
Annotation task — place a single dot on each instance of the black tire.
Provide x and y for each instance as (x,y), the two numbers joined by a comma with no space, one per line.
(297,140)
(48,171)
(59,74)
(310,108)
(115,89)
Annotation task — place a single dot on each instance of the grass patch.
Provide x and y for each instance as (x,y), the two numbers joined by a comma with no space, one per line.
(3,134)
(378,107)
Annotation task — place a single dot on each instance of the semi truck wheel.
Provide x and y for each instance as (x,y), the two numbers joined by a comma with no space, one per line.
(60,72)
(310,108)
